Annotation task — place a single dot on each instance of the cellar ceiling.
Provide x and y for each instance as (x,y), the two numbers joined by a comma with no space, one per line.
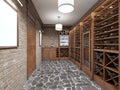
(48,11)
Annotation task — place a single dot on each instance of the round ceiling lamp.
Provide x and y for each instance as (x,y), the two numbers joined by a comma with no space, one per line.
(65,6)
(58,26)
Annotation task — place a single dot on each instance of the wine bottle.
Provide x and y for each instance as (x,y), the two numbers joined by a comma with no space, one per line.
(112,74)
(116,65)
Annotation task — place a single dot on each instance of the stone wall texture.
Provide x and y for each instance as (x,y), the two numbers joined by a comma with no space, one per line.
(50,37)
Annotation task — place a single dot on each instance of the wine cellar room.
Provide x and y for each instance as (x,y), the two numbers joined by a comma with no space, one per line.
(94,44)
(52,49)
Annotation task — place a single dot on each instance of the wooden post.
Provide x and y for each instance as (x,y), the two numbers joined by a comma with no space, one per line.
(92,45)
(119,42)
(81,43)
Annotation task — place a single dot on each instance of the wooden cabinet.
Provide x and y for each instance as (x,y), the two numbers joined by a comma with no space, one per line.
(49,53)
(58,53)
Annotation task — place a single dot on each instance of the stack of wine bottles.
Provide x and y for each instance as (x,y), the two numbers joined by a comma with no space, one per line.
(106,43)
(106,27)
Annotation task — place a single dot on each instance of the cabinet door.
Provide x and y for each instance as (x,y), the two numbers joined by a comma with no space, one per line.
(45,53)
(52,53)
(49,53)
(86,48)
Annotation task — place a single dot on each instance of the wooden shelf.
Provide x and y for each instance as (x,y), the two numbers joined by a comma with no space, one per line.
(105,32)
(107,44)
(108,18)
(106,26)
(103,50)
(108,5)
(114,37)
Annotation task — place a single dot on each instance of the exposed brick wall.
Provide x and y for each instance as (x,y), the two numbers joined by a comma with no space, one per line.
(13,62)
(50,37)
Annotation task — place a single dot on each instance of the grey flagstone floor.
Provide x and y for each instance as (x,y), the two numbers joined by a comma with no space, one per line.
(59,75)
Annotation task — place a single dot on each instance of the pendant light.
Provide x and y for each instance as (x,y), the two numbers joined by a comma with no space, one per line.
(58,26)
(65,6)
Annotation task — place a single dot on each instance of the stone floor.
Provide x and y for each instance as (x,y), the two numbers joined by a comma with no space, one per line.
(59,75)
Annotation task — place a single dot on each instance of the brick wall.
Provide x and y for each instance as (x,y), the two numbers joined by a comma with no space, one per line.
(13,62)
(50,37)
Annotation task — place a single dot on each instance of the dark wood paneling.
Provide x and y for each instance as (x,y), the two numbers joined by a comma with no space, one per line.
(31,48)
(49,53)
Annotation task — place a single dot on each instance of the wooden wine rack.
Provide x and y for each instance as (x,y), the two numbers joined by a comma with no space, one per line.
(99,45)
(106,27)
(106,44)
(72,48)
(77,43)
(86,41)
(86,61)
(63,51)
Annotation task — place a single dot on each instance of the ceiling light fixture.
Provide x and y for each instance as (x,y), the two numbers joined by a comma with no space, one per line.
(65,6)
(58,26)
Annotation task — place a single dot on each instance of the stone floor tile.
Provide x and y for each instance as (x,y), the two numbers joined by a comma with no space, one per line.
(32,88)
(90,88)
(59,75)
